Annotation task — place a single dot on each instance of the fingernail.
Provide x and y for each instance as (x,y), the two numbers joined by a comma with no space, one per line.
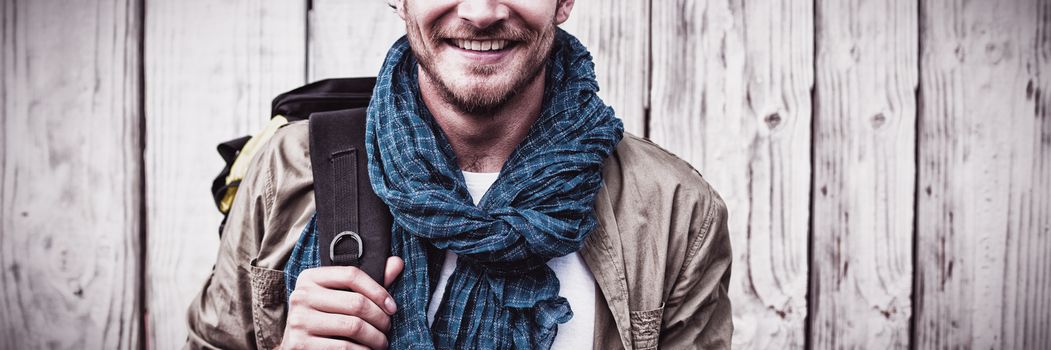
(391,307)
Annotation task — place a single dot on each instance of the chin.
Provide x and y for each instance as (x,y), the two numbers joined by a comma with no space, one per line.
(485,90)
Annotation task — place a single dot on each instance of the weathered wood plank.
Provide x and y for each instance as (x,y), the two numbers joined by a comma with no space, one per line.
(731,94)
(71,193)
(985,152)
(617,34)
(864,173)
(211,70)
(1029,274)
(350,38)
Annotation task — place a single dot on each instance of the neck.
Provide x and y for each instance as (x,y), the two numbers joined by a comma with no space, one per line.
(483,142)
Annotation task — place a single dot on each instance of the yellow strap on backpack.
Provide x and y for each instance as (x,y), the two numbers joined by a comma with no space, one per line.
(244,158)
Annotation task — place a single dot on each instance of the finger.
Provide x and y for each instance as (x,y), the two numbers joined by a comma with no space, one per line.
(325,343)
(353,279)
(394,267)
(299,327)
(350,327)
(349,303)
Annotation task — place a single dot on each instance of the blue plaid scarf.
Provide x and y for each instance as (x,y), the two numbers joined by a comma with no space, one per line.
(501,295)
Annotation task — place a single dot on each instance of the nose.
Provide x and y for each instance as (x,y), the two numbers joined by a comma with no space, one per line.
(482,13)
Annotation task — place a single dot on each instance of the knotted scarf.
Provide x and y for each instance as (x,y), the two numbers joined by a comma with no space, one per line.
(501,295)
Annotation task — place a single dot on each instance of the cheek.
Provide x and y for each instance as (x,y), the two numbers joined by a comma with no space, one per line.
(536,13)
(425,14)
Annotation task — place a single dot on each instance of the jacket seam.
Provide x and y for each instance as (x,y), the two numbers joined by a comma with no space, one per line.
(697,242)
(666,152)
(270,199)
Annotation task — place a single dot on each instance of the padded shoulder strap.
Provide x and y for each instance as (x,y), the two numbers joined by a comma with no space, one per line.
(353,223)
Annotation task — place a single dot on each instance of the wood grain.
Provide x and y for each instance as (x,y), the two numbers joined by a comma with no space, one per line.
(982,271)
(71,194)
(350,38)
(212,69)
(951,190)
(617,34)
(731,94)
(864,173)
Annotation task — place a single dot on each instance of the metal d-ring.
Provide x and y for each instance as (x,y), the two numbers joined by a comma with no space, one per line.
(351,234)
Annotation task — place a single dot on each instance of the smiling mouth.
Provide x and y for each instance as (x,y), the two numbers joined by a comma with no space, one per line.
(481,45)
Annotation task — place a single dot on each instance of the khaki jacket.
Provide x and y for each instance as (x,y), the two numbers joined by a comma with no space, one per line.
(660,257)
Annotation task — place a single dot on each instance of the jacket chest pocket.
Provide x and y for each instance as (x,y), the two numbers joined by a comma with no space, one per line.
(268,306)
(646,328)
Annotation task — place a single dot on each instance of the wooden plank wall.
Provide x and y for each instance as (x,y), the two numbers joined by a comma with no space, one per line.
(864,173)
(982,271)
(198,93)
(731,94)
(344,43)
(71,158)
(617,34)
(887,164)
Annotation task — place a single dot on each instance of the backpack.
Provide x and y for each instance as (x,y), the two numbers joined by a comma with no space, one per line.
(353,224)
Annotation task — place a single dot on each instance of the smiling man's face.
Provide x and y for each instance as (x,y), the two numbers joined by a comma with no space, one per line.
(480,53)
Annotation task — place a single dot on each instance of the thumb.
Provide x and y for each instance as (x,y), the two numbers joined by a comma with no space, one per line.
(394,267)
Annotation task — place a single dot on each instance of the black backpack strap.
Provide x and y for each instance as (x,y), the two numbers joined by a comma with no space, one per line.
(353,223)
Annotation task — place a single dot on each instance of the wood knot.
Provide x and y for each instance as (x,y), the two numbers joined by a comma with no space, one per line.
(878,120)
(772,120)
(997,52)
(16,272)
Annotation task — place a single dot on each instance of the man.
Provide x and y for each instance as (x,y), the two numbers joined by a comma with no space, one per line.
(524,216)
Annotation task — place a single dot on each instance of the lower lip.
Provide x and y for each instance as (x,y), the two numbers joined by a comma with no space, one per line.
(482,56)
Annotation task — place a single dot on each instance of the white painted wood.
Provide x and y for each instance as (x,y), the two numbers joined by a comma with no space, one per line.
(212,68)
(617,34)
(864,173)
(71,195)
(985,150)
(351,38)
(731,94)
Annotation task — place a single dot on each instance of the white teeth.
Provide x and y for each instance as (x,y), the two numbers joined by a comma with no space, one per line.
(480,45)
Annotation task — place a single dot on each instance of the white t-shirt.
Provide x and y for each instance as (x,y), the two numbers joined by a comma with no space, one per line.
(576,283)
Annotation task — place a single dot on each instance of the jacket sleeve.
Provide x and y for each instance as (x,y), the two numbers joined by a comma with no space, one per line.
(220,317)
(697,313)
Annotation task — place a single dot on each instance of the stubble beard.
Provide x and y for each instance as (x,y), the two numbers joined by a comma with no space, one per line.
(472,95)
